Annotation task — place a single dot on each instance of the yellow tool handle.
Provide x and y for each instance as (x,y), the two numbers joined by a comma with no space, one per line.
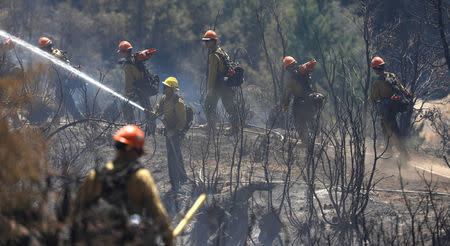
(189,215)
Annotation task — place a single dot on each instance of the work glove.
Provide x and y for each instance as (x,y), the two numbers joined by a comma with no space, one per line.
(151,114)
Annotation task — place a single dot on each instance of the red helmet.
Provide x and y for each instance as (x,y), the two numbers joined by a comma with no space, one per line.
(210,35)
(288,60)
(130,135)
(124,46)
(44,42)
(376,62)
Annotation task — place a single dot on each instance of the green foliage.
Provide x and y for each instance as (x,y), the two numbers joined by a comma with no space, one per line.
(90,31)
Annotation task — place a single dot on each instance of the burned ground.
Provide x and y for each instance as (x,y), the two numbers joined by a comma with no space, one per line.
(263,186)
(269,204)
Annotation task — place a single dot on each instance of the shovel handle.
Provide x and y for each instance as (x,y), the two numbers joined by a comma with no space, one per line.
(189,215)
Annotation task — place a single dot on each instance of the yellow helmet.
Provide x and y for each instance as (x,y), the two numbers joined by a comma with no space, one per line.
(171,82)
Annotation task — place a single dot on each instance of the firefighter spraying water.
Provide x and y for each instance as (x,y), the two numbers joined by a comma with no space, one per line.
(67,67)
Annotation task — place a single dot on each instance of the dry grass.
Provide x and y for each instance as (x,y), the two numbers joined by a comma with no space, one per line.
(24,170)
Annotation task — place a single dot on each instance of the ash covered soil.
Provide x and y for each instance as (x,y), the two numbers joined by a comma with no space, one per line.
(262,207)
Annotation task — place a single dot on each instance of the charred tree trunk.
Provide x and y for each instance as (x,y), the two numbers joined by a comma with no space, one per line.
(438,5)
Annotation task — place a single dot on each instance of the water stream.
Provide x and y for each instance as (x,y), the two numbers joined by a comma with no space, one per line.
(67,67)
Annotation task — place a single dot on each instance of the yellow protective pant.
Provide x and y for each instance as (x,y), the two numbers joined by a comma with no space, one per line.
(228,100)
(304,115)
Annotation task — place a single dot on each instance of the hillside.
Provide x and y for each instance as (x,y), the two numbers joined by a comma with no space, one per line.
(339,180)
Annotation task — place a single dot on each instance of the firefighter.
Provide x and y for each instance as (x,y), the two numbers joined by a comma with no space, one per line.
(381,94)
(172,107)
(134,75)
(66,85)
(306,102)
(46,44)
(216,88)
(125,183)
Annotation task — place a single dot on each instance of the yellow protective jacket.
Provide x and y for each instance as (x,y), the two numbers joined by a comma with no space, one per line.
(132,74)
(174,111)
(141,194)
(381,89)
(61,55)
(216,69)
(296,85)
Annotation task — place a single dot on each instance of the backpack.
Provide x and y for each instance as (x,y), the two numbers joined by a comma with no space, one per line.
(402,98)
(189,118)
(234,72)
(304,79)
(109,222)
(314,98)
(114,183)
(149,85)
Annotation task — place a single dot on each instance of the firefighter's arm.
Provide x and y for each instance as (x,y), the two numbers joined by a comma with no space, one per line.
(157,112)
(212,72)
(88,192)
(153,204)
(129,78)
(180,113)
(373,97)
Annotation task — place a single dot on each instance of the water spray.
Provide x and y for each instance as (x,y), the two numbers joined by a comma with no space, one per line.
(67,67)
